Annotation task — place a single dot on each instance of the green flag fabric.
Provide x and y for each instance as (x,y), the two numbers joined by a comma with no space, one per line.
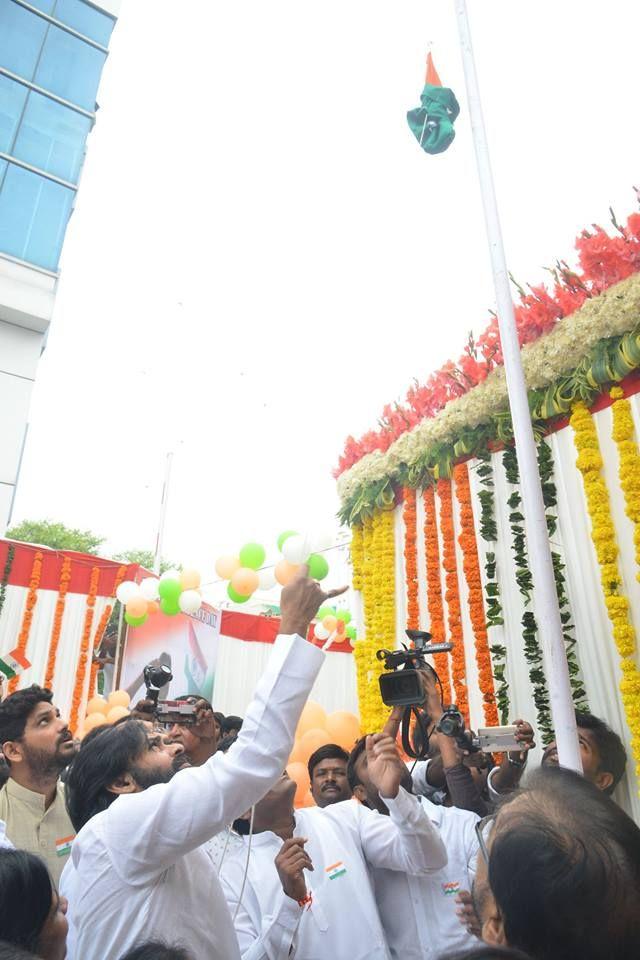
(432,123)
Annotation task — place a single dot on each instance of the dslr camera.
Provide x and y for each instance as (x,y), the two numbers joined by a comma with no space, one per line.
(167,712)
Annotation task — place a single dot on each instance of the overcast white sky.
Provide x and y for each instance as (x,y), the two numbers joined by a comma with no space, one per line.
(261,256)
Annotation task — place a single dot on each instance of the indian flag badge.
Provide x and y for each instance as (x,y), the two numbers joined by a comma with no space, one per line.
(451,889)
(63,846)
(335,870)
(11,664)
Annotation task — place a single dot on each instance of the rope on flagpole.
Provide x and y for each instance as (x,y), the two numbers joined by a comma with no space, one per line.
(545,597)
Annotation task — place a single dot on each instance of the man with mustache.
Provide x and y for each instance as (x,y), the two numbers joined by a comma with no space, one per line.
(328,775)
(37,745)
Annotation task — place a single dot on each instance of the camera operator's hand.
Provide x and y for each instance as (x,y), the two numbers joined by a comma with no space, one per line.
(384,765)
(300,600)
(524,734)
(432,700)
(290,864)
(205,722)
(392,725)
(144,710)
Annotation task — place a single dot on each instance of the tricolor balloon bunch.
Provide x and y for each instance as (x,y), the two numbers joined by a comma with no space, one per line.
(315,729)
(177,591)
(296,549)
(244,574)
(334,624)
(100,711)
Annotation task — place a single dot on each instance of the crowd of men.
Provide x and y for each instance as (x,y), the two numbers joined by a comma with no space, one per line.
(184,843)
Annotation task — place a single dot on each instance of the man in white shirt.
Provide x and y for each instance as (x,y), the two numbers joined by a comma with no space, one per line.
(283,913)
(138,868)
(420,913)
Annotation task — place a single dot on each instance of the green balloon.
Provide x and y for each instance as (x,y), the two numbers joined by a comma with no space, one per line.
(285,536)
(318,566)
(252,555)
(344,615)
(325,612)
(169,590)
(134,621)
(235,596)
(169,607)
(351,632)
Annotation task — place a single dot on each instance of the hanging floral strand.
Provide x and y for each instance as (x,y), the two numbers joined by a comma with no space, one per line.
(102,626)
(65,578)
(471,568)
(452,597)
(409,515)
(629,458)
(434,590)
(81,670)
(11,552)
(603,535)
(32,599)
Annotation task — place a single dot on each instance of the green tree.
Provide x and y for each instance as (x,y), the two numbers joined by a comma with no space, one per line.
(55,535)
(145,559)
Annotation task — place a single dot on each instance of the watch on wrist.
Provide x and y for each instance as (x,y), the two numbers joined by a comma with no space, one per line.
(519,764)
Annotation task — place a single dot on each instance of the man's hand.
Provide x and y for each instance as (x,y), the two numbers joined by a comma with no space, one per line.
(205,725)
(290,864)
(300,600)
(392,725)
(144,710)
(524,734)
(467,913)
(384,765)
(432,701)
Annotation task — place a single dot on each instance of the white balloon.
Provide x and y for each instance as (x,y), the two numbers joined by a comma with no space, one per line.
(127,590)
(320,632)
(170,575)
(267,579)
(149,588)
(296,549)
(321,541)
(189,601)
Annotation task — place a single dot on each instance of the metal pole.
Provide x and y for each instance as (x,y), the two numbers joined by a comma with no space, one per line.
(545,597)
(163,514)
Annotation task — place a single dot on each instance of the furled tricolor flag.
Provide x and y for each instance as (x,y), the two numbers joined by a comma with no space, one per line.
(432,123)
(11,664)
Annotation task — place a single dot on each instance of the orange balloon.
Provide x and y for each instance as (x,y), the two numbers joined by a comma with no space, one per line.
(245,581)
(119,698)
(330,623)
(343,728)
(153,607)
(117,713)
(311,741)
(299,773)
(137,606)
(285,572)
(227,566)
(341,627)
(94,720)
(190,579)
(97,705)
(313,717)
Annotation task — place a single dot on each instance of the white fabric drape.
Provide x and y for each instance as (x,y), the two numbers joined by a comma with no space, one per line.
(240,665)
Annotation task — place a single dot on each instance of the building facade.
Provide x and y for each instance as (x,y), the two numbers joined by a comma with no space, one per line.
(52,53)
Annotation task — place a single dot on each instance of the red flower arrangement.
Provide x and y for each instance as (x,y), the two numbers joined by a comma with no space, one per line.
(434,590)
(452,596)
(471,567)
(603,261)
(32,599)
(409,515)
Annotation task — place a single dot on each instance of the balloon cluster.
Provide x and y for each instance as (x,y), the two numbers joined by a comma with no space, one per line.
(101,711)
(244,574)
(316,728)
(297,548)
(335,624)
(176,591)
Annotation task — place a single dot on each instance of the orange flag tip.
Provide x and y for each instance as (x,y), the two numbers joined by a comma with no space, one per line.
(432,74)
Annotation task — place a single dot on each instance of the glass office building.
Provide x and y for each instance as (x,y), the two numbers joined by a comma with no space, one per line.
(51,56)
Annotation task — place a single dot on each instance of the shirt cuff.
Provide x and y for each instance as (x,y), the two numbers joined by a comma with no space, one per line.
(404,810)
(493,793)
(289,914)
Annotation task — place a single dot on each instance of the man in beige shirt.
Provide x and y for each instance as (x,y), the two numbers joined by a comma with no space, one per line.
(37,745)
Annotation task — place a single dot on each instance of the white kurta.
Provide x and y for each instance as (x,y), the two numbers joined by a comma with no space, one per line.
(419,913)
(342,922)
(138,869)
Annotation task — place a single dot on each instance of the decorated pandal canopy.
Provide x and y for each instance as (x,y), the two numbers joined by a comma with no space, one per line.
(433,499)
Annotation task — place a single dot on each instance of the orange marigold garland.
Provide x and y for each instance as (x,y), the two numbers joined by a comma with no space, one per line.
(471,567)
(434,590)
(102,626)
(452,596)
(65,578)
(32,599)
(409,515)
(84,649)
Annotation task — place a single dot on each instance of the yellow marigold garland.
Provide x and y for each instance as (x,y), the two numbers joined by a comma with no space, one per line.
(629,455)
(357,555)
(603,535)
(32,599)
(378,589)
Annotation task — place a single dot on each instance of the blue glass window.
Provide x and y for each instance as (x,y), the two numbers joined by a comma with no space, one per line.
(70,68)
(52,137)
(85,19)
(33,217)
(21,36)
(12,99)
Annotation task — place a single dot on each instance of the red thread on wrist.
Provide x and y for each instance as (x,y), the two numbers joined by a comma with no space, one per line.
(306,901)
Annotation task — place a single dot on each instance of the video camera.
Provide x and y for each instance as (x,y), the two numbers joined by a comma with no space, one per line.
(167,712)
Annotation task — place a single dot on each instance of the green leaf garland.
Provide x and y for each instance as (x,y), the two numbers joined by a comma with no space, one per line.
(11,552)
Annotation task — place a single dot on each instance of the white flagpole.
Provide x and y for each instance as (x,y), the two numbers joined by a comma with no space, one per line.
(545,597)
(163,515)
